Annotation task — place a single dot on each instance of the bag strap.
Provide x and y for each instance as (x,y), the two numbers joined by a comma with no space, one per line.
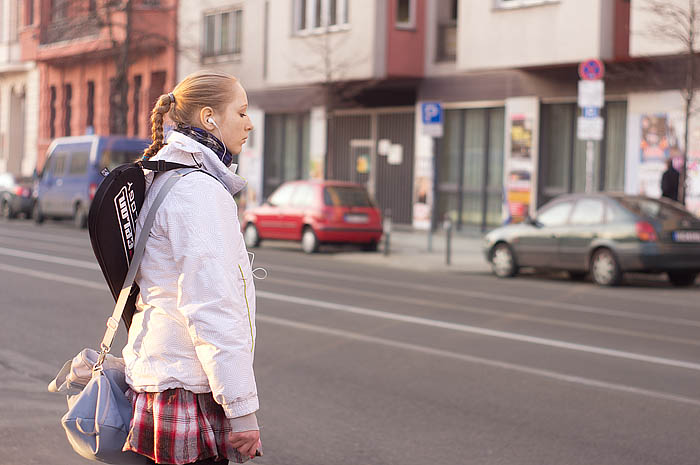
(113,321)
(161,165)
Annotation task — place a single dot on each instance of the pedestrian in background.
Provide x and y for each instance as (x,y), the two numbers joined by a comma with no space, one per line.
(189,355)
(670,181)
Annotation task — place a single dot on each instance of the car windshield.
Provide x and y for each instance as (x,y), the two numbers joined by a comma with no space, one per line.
(655,209)
(346,196)
(113,158)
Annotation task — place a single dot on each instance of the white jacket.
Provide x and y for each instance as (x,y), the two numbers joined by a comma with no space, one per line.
(194,327)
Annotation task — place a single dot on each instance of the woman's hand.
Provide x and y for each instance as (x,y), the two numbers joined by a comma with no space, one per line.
(246,442)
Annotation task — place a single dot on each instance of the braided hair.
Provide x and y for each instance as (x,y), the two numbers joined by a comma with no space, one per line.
(198,90)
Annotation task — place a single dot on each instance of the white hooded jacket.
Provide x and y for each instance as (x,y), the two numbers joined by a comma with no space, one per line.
(194,326)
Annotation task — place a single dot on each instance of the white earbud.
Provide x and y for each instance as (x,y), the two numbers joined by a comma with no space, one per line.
(211,121)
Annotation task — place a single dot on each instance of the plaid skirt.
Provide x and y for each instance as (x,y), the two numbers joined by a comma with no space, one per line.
(179,427)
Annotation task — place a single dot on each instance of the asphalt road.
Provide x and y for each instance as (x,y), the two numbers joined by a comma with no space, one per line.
(368,365)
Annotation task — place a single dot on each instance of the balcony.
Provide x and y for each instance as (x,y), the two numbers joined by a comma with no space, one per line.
(69,29)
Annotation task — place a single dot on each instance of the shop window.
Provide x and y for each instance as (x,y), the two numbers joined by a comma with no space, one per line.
(67,111)
(562,165)
(52,112)
(405,14)
(287,149)
(317,15)
(90,104)
(470,171)
(136,105)
(223,33)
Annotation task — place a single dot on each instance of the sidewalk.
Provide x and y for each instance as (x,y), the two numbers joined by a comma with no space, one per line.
(409,250)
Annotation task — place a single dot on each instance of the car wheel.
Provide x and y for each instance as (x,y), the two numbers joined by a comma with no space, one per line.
(80,217)
(6,210)
(371,246)
(682,278)
(251,236)
(309,241)
(503,262)
(37,214)
(605,269)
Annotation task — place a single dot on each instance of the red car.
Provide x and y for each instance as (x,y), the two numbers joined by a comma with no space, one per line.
(316,212)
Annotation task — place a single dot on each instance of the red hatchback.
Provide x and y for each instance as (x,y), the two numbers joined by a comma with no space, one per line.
(316,212)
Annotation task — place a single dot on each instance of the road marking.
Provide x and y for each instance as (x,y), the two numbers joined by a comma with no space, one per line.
(408,319)
(501,314)
(485,295)
(55,277)
(49,259)
(51,238)
(478,360)
(397,344)
(480,331)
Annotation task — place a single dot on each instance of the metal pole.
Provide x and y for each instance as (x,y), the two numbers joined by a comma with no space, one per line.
(448,238)
(434,213)
(387,231)
(590,155)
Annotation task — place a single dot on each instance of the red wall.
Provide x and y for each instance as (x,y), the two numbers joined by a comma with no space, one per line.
(405,48)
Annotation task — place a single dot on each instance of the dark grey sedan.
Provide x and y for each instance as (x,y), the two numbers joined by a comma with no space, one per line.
(15,196)
(603,234)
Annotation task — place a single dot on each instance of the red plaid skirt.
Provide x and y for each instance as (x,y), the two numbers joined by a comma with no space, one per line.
(179,427)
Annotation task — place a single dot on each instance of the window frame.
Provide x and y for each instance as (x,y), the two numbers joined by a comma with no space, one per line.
(234,49)
(515,4)
(411,23)
(342,17)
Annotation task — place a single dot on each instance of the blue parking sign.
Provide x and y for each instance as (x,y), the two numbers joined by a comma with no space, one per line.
(432,112)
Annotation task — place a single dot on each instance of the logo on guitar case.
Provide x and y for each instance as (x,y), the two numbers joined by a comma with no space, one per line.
(125,207)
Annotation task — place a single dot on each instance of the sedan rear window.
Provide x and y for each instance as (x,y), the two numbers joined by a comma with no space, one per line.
(346,196)
(655,209)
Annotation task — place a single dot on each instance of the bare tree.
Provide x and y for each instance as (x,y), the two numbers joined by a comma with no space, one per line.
(677,23)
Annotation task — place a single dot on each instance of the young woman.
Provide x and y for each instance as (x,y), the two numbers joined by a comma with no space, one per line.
(189,355)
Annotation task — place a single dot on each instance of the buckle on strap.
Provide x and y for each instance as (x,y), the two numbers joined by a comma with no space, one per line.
(161,165)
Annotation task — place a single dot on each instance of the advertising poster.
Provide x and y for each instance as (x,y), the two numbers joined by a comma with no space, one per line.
(519,168)
(692,199)
(423,184)
(659,142)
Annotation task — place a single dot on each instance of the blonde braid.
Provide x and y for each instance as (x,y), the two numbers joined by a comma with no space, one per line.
(157,115)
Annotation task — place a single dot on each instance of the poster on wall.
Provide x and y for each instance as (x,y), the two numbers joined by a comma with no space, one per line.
(423,182)
(659,141)
(693,169)
(519,169)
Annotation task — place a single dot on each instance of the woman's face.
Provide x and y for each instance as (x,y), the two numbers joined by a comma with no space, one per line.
(234,123)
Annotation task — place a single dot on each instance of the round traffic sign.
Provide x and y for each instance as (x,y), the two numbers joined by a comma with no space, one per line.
(591,69)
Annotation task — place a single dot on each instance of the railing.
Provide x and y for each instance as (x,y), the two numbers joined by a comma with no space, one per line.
(447,42)
(69,29)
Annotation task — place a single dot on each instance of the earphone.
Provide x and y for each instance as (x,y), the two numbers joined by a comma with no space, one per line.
(210,120)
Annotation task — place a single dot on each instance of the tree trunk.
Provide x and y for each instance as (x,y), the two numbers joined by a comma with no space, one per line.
(121,84)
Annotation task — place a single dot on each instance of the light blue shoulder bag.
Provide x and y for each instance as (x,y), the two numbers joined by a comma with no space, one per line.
(99,416)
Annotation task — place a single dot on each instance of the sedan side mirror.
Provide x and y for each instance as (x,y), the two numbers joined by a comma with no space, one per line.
(532,221)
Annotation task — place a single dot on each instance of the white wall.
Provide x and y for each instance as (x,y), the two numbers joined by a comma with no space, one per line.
(565,31)
(643,40)
(248,67)
(299,59)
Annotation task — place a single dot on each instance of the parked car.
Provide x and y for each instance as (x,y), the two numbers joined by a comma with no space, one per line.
(73,171)
(15,196)
(315,213)
(604,234)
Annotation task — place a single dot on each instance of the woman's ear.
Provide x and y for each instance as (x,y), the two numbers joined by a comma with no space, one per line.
(204,114)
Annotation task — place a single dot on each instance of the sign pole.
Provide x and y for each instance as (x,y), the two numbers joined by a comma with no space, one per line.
(590,156)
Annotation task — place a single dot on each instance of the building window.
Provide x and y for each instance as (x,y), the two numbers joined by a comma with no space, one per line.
(223,33)
(507,4)
(470,172)
(90,120)
(562,165)
(317,15)
(67,97)
(52,112)
(286,149)
(447,31)
(28,12)
(157,87)
(405,14)
(59,10)
(137,104)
